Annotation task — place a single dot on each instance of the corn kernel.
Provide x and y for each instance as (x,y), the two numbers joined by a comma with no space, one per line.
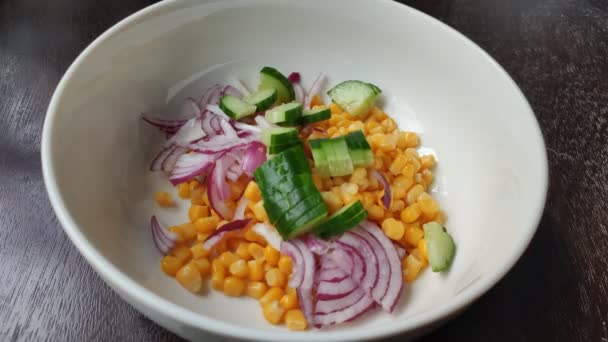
(186,231)
(316,100)
(428,177)
(252,236)
(273,312)
(170,265)
(183,253)
(243,252)
(411,269)
(422,248)
(259,211)
(190,278)
(413,234)
(203,265)
(419,255)
(335,109)
(197,211)
(397,205)
(294,320)
(218,274)
(271,255)
(233,286)
(289,301)
(285,264)
(411,139)
(333,202)
(376,212)
(194,184)
(318,180)
(413,193)
(256,270)
(256,289)
(256,251)
(428,205)
(183,190)
(239,268)
(197,196)
(274,277)
(397,165)
(274,293)
(227,258)
(393,228)
(198,251)
(410,213)
(427,161)
(164,199)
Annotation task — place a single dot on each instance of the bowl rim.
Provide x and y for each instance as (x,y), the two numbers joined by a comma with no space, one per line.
(130,290)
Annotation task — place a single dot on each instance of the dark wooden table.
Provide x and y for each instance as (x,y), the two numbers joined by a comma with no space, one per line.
(557,52)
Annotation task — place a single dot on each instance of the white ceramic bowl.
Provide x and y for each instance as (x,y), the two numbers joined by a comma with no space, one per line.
(492,171)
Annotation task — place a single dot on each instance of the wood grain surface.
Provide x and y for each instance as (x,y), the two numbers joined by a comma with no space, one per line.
(557,52)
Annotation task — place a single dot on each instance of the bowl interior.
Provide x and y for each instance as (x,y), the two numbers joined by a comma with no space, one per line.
(491,174)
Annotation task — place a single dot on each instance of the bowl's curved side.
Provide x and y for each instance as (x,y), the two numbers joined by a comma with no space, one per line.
(190,324)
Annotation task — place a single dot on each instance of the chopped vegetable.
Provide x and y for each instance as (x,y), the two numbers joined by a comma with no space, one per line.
(440,246)
(271,78)
(355,97)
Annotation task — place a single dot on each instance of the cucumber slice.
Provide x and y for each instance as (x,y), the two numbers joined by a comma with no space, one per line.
(287,114)
(308,221)
(360,152)
(235,107)
(315,115)
(271,78)
(278,139)
(377,90)
(319,157)
(440,246)
(342,220)
(355,97)
(262,99)
(338,157)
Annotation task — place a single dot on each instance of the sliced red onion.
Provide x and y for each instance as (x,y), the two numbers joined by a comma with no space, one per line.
(204,100)
(167,157)
(349,313)
(304,291)
(230,90)
(299,91)
(384,267)
(395,284)
(232,174)
(270,234)
(190,109)
(400,251)
(229,132)
(191,131)
(263,123)
(315,89)
(370,279)
(219,175)
(219,233)
(214,98)
(241,206)
(220,143)
(166,126)
(316,245)
(294,77)
(190,165)
(297,274)
(164,239)
(241,87)
(243,126)
(254,156)
(349,260)
(215,109)
(326,306)
(213,192)
(386,198)
(327,290)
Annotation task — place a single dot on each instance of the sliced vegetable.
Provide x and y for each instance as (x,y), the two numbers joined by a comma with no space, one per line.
(440,246)
(271,78)
(219,233)
(321,163)
(164,239)
(269,233)
(315,115)
(280,138)
(262,99)
(253,157)
(287,114)
(387,196)
(190,165)
(355,97)
(338,157)
(315,89)
(342,220)
(235,107)
(360,152)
